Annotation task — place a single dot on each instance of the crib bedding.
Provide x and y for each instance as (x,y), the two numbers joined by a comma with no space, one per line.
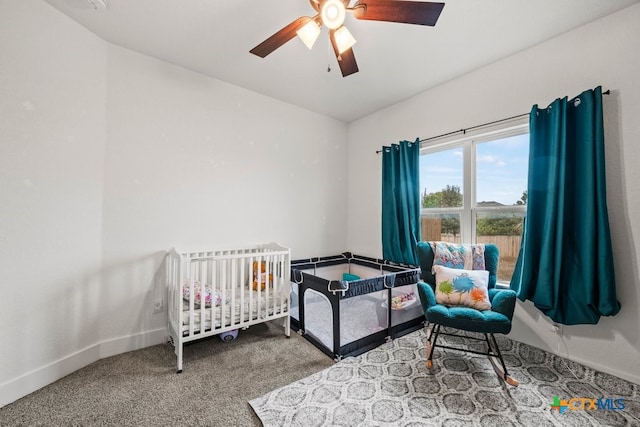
(255,306)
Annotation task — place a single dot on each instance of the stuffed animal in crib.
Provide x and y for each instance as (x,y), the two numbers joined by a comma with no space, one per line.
(260,277)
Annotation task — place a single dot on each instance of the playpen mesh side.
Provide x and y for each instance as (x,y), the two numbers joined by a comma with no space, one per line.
(318,317)
(363,315)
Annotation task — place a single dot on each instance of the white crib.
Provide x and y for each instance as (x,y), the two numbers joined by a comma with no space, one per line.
(211,292)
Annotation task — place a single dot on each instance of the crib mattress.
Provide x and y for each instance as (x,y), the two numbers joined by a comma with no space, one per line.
(253,308)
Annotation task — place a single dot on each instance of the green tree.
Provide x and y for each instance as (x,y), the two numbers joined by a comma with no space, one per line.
(431,200)
(502,225)
(507,224)
(523,199)
(451,225)
(448,197)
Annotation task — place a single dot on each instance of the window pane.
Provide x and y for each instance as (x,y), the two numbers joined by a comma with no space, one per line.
(441,227)
(505,231)
(501,171)
(441,179)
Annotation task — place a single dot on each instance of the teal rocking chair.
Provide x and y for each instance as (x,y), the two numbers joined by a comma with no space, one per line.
(497,320)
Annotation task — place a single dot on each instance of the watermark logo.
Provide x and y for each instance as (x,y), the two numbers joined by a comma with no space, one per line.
(587,404)
(559,405)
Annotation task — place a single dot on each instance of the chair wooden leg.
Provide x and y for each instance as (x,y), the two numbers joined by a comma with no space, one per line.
(502,369)
(503,375)
(431,345)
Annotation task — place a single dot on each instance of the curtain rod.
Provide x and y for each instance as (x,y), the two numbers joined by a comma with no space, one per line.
(464,131)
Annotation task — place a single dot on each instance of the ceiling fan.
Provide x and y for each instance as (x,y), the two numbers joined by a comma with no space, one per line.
(331,14)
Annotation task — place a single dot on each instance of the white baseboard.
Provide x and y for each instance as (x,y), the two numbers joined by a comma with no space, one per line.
(133,342)
(25,384)
(606,369)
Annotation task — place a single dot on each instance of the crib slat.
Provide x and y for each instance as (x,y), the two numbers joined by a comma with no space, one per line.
(223,286)
(241,285)
(191,299)
(203,295)
(264,309)
(259,295)
(251,282)
(284,284)
(215,291)
(233,287)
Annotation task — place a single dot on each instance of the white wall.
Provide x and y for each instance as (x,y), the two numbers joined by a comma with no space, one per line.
(52,140)
(195,162)
(602,53)
(107,159)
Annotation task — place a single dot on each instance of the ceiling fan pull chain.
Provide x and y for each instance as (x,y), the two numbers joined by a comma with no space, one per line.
(328,57)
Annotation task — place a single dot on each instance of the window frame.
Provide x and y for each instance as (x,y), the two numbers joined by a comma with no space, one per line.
(468,141)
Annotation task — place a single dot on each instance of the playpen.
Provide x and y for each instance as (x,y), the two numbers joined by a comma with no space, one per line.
(347,304)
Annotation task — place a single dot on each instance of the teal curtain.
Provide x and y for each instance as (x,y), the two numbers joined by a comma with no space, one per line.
(401,201)
(565,266)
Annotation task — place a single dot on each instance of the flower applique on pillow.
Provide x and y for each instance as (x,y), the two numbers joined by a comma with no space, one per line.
(456,287)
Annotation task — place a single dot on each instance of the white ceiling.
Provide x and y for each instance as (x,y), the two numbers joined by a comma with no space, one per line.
(396,61)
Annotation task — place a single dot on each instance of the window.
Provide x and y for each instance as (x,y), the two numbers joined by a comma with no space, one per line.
(474,189)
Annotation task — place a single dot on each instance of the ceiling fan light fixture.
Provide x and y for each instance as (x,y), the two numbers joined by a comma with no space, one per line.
(332,13)
(309,33)
(344,39)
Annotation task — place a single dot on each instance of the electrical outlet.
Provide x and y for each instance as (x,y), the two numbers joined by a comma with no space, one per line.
(157,305)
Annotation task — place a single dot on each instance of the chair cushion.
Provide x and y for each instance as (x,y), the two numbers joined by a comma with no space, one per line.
(469,319)
(462,287)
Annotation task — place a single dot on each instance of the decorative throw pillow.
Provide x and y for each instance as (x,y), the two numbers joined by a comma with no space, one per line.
(211,296)
(454,255)
(462,287)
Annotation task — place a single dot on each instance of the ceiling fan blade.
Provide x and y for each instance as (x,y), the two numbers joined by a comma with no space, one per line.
(346,59)
(315,4)
(280,38)
(405,12)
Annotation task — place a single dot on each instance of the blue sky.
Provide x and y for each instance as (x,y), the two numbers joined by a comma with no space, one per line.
(501,167)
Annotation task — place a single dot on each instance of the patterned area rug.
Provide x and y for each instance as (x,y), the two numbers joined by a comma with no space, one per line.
(391,386)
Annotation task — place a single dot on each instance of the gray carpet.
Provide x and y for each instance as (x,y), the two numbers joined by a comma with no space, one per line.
(141,388)
(390,386)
